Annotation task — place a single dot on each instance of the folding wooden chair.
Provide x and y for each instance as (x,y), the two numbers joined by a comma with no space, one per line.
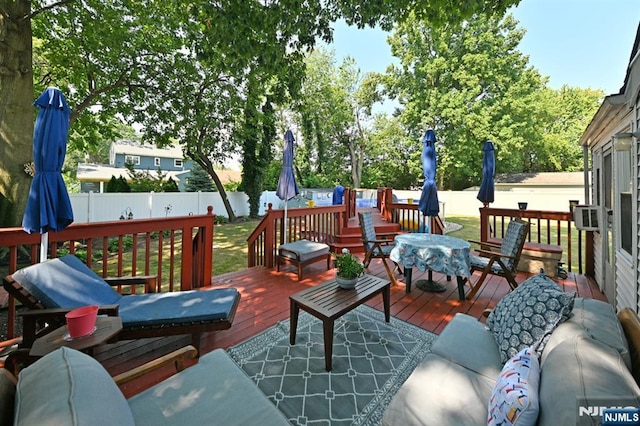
(376,246)
(502,259)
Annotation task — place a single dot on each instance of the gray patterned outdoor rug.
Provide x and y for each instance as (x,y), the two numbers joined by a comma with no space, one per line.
(371,360)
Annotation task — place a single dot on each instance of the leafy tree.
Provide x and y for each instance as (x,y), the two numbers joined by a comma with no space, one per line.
(469,83)
(131,64)
(565,112)
(393,158)
(257,134)
(145,181)
(334,111)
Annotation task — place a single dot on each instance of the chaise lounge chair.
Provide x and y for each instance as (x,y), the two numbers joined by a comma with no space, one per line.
(52,288)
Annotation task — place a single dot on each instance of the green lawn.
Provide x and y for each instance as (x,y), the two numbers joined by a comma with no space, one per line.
(230,246)
(470,227)
(230,241)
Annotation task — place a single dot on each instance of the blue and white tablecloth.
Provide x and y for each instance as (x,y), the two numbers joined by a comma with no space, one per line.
(447,255)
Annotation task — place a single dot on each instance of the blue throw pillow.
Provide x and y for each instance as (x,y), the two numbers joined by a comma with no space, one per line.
(527,316)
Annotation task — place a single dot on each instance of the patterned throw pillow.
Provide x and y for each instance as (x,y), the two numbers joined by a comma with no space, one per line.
(514,399)
(527,316)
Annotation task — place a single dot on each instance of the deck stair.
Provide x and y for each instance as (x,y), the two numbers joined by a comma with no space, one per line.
(351,235)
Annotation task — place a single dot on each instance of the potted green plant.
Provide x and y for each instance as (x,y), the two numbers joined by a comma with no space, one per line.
(349,269)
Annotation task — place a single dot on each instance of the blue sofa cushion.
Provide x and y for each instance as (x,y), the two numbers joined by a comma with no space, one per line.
(180,307)
(67,387)
(66,282)
(213,392)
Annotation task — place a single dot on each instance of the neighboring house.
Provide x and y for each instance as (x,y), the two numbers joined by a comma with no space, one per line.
(612,139)
(171,162)
(510,181)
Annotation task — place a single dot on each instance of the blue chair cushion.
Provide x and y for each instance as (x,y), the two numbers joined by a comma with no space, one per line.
(482,262)
(179,307)
(66,282)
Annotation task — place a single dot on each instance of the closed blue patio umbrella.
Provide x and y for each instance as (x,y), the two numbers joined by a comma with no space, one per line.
(48,206)
(487,187)
(428,204)
(287,186)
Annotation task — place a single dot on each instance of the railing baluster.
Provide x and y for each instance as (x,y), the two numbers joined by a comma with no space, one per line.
(96,236)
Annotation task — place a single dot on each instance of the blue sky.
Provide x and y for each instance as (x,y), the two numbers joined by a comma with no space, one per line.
(581,43)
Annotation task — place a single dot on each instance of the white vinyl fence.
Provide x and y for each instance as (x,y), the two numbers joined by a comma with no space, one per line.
(101,207)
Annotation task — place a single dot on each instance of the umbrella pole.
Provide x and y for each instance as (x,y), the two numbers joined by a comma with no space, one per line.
(44,242)
(284,224)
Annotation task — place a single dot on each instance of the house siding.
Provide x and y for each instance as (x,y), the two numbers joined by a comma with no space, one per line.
(148,163)
(637,217)
(618,113)
(598,255)
(627,294)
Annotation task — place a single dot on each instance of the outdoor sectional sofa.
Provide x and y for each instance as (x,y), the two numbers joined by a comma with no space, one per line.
(68,387)
(586,354)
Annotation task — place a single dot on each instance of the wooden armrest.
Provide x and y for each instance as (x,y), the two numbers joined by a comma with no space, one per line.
(485,243)
(386,235)
(149,282)
(489,253)
(177,357)
(381,242)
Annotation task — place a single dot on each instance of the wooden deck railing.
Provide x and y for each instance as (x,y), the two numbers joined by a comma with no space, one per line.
(547,227)
(178,250)
(321,224)
(406,215)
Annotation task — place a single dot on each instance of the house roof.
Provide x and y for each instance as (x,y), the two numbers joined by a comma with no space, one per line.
(130,147)
(102,173)
(540,179)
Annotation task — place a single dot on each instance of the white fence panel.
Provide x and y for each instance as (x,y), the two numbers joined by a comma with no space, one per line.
(99,207)
(102,207)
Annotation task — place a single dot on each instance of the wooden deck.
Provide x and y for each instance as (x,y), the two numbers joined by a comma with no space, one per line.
(265,301)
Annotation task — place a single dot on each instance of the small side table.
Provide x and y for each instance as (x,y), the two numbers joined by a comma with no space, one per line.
(106,328)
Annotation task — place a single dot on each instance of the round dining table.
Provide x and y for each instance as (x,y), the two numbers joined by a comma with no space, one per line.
(432,252)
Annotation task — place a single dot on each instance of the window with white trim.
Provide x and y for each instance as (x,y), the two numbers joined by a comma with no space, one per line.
(156,162)
(177,162)
(132,159)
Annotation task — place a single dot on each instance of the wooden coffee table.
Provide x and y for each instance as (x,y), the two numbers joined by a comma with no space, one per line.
(328,301)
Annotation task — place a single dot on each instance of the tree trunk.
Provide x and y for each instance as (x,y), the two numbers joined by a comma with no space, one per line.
(223,195)
(206,164)
(16,109)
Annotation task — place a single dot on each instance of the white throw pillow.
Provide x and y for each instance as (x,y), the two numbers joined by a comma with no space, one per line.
(514,399)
